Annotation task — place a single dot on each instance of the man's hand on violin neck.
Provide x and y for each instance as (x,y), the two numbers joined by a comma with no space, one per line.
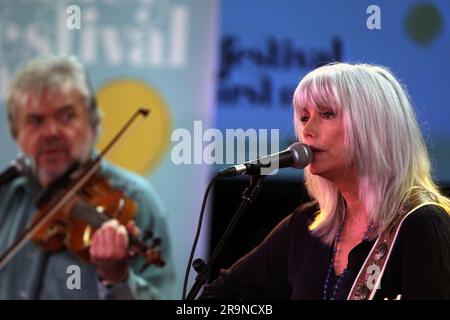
(109,251)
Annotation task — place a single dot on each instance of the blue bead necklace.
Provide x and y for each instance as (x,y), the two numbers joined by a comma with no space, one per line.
(341,277)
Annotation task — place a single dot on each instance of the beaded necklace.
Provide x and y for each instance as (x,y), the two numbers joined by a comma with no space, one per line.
(344,272)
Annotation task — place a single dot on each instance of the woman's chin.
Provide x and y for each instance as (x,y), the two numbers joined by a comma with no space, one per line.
(314,169)
(321,172)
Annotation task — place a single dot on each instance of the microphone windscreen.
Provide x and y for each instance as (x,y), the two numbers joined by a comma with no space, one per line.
(303,155)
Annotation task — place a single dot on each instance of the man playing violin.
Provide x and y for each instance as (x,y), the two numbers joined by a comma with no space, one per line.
(54,119)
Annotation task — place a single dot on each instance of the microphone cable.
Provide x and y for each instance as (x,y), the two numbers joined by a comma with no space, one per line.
(197,234)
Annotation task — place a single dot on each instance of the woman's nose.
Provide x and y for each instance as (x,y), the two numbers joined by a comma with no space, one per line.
(310,128)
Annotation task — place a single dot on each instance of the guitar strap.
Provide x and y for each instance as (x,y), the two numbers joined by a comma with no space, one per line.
(381,251)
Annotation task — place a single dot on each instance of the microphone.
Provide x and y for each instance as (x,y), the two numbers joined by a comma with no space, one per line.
(18,167)
(297,155)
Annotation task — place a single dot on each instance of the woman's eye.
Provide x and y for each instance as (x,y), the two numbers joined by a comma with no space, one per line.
(304,118)
(328,115)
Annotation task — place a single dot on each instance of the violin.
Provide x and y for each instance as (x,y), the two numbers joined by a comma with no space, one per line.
(76,205)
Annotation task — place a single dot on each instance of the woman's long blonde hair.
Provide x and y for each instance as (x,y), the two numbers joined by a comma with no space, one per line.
(383,136)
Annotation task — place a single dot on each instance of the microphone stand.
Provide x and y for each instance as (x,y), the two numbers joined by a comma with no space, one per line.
(204,269)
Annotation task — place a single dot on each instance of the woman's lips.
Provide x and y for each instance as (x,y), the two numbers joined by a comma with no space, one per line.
(316,151)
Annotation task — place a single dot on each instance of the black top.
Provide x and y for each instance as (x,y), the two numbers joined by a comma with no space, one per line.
(291,263)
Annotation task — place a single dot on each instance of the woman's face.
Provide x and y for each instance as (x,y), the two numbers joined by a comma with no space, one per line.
(323,130)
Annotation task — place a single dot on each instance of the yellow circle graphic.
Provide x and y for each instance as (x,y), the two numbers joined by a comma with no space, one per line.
(145,142)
